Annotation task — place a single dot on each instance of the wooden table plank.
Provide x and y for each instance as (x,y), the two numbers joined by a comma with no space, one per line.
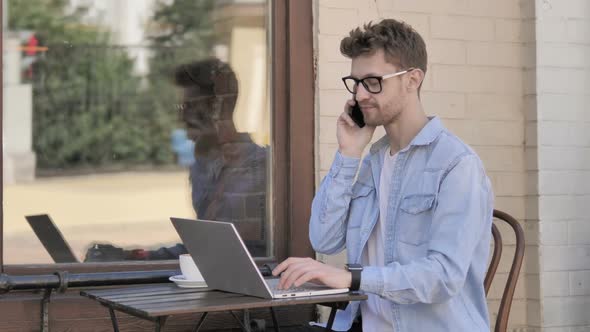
(175,298)
(158,293)
(164,300)
(132,290)
(238,303)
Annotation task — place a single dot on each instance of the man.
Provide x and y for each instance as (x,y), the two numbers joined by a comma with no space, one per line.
(416,222)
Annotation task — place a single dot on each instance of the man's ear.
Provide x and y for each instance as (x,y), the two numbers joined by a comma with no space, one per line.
(415,78)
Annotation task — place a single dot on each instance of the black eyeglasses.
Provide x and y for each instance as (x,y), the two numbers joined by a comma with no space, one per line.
(372,83)
(200,108)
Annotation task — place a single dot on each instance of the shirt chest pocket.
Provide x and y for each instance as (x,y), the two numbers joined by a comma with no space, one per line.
(416,211)
(415,218)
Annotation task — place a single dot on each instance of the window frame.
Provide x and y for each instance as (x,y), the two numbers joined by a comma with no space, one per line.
(292,102)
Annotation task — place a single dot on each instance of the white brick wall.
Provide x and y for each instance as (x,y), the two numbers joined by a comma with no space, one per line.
(514,30)
(448,52)
(497,67)
(477,79)
(453,27)
(563,162)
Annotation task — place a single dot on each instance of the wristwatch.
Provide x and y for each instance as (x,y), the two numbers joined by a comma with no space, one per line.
(355,270)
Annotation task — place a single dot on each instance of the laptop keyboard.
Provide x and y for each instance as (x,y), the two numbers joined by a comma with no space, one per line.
(275,290)
(273,284)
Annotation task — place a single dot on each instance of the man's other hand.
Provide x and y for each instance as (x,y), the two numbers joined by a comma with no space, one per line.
(296,271)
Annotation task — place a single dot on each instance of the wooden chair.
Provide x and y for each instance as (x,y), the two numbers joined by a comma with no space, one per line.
(506,301)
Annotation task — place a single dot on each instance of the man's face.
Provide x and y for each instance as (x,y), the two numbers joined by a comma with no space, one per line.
(384,107)
(197,113)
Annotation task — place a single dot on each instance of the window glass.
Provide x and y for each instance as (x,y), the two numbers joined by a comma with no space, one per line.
(120,114)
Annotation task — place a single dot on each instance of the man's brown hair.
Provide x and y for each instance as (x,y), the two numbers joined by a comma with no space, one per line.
(208,77)
(403,46)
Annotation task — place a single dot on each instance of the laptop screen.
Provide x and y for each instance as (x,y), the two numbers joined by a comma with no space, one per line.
(221,256)
(51,238)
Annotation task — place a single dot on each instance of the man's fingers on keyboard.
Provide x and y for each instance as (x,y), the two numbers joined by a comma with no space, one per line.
(305,277)
(300,270)
(278,269)
(290,274)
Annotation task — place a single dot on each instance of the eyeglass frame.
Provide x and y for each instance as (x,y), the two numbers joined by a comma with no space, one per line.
(380,79)
(212,114)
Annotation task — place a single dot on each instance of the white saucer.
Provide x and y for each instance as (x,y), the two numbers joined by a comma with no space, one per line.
(180,281)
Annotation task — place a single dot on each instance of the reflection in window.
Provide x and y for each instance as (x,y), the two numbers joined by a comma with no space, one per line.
(120,114)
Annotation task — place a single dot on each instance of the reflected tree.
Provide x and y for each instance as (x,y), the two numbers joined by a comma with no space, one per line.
(180,31)
(89,108)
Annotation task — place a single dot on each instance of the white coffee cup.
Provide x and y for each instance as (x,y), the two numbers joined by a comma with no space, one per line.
(189,268)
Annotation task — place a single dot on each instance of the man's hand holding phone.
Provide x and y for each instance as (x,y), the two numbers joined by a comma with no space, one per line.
(352,139)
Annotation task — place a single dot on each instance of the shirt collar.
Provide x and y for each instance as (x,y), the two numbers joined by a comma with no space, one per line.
(427,135)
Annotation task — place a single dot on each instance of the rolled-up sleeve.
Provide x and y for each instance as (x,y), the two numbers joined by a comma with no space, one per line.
(327,226)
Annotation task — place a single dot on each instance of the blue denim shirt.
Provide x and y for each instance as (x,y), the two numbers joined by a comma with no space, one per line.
(437,232)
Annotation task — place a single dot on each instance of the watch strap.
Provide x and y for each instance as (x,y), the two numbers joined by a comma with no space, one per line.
(355,271)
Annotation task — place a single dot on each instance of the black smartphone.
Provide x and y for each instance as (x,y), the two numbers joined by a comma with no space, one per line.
(357,115)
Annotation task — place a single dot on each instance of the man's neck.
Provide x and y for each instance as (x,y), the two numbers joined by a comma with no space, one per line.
(405,127)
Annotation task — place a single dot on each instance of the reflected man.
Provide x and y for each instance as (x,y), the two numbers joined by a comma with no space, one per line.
(228,178)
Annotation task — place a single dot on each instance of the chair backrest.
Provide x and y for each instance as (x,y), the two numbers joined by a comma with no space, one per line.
(506,301)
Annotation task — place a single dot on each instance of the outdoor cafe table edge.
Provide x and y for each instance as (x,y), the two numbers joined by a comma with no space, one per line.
(159,300)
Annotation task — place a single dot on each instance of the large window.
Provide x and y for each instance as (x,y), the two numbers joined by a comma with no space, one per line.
(120,114)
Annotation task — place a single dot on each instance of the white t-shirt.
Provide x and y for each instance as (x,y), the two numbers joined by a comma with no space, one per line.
(377,312)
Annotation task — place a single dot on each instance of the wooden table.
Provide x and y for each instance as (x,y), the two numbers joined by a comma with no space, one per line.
(159,301)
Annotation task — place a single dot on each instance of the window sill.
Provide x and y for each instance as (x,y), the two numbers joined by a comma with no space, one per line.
(33,269)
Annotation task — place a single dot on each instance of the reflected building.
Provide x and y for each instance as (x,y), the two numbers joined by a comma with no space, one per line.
(241,28)
(17,116)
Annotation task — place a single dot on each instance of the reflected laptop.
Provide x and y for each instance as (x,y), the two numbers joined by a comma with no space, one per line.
(226,264)
(51,238)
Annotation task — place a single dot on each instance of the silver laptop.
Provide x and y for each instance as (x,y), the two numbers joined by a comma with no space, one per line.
(226,264)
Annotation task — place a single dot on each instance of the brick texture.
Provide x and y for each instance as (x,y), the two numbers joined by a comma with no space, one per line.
(563,141)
